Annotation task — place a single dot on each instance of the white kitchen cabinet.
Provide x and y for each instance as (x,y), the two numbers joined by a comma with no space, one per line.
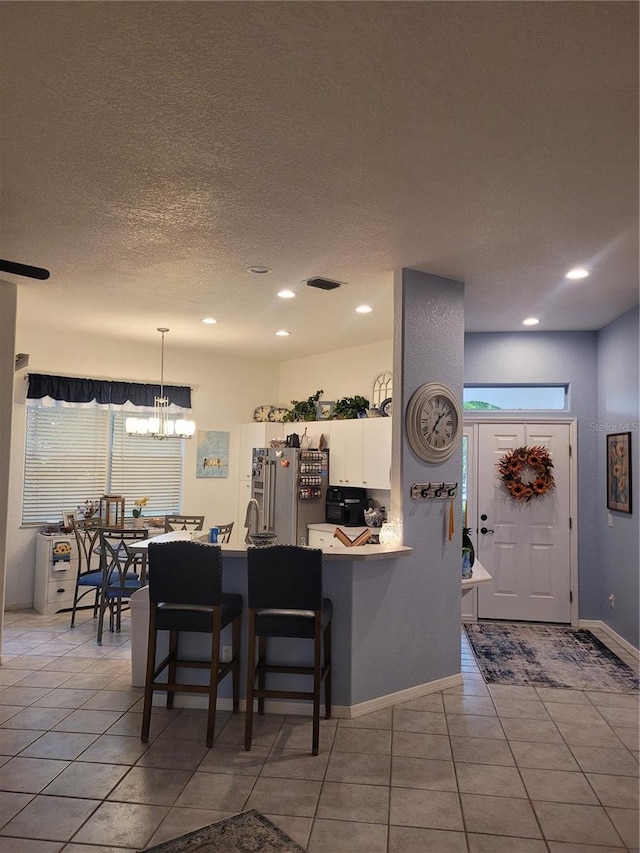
(360,453)
(322,535)
(376,453)
(56,572)
(345,453)
(255,434)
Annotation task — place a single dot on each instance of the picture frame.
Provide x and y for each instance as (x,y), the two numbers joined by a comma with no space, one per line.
(324,410)
(619,494)
(68,517)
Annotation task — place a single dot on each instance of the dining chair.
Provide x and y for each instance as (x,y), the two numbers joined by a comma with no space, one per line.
(183,522)
(224,532)
(285,599)
(120,569)
(88,579)
(185,594)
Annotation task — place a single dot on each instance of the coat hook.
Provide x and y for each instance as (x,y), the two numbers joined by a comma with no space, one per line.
(439,490)
(452,491)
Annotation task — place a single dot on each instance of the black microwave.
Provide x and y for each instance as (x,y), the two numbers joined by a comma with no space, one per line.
(346,506)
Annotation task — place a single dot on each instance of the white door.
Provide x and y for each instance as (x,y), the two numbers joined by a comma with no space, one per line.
(525,546)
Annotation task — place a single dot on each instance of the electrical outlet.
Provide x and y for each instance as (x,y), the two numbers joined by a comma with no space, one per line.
(226,654)
(612,600)
(609,519)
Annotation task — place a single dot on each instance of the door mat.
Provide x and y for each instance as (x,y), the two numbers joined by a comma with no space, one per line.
(248,832)
(548,656)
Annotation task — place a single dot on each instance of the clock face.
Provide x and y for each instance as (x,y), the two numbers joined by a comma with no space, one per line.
(433,422)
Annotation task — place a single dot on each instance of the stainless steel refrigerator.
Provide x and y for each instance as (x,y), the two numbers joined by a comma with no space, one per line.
(290,486)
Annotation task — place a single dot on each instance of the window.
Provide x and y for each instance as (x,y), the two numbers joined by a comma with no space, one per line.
(515,397)
(72,454)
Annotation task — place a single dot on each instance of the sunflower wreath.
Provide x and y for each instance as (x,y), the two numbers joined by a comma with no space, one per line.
(526,473)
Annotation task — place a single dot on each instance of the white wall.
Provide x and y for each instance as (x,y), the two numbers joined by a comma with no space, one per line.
(342,373)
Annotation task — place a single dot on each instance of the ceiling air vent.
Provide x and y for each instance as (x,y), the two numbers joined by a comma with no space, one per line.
(323,283)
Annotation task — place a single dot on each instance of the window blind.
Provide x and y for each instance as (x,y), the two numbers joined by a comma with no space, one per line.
(74,454)
(66,459)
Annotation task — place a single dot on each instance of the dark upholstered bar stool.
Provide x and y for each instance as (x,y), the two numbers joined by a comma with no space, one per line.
(185,594)
(285,600)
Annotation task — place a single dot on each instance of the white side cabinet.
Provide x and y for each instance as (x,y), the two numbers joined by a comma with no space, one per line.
(256,434)
(56,572)
(376,453)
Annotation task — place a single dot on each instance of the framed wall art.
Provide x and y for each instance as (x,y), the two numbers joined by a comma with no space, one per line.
(324,410)
(619,471)
(212,453)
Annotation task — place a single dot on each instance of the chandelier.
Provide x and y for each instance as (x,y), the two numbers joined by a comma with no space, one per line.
(160,424)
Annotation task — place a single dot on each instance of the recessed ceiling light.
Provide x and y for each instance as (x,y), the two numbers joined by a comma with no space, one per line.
(530,321)
(282,333)
(256,269)
(364,309)
(577,272)
(286,294)
(208,321)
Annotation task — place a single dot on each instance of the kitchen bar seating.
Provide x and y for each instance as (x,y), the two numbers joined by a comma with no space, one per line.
(285,600)
(185,594)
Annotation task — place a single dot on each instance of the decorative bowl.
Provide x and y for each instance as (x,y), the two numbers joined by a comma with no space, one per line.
(263,538)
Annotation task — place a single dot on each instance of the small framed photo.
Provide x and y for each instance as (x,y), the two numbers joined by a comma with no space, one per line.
(68,517)
(324,410)
(619,471)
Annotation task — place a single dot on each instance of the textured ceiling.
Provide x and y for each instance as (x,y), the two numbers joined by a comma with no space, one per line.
(152,151)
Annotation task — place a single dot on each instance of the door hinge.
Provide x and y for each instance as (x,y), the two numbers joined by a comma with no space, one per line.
(570,451)
(570,596)
(570,523)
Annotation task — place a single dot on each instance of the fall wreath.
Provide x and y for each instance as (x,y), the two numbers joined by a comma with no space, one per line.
(526,473)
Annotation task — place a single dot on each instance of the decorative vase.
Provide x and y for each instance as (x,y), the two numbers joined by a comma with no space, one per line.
(137,521)
(468,544)
(391,534)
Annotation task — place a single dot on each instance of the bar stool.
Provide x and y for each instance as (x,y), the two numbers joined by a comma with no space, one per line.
(185,594)
(193,523)
(285,600)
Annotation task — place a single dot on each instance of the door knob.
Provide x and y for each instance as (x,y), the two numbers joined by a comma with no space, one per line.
(485,530)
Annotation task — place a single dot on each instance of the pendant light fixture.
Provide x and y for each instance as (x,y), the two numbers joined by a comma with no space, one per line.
(160,425)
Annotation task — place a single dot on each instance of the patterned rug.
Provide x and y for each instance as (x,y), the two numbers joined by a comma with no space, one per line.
(548,656)
(248,832)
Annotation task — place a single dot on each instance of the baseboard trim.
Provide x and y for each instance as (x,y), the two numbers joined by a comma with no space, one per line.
(303,709)
(617,638)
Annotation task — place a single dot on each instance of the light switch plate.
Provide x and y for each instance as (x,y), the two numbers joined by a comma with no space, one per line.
(609,519)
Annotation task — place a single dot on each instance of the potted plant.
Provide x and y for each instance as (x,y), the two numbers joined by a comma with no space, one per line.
(303,410)
(350,407)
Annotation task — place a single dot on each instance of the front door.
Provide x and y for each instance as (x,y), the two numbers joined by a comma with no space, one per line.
(524,546)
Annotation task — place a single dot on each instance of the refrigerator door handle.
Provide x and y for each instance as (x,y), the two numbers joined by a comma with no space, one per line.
(267,519)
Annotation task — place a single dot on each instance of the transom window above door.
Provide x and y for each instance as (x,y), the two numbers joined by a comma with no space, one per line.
(515,398)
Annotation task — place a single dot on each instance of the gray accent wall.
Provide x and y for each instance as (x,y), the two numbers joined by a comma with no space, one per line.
(425,600)
(618,411)
(8,301)
(601,370)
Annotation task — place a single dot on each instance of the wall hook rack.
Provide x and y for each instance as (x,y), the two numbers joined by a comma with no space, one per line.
(433,491)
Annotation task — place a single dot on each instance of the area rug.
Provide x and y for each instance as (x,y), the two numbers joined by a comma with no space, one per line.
(248,832)
(548,656)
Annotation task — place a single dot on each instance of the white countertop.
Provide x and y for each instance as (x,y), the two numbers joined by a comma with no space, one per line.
(480,575)
(364,552)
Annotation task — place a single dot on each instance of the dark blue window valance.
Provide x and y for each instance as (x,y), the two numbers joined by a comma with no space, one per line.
(73,390)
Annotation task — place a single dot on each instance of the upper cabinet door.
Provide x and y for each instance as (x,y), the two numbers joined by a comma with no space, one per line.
(376,453)
(345,453)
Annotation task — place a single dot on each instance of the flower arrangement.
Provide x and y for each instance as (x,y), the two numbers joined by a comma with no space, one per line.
(526,473)
(89,508)
(141,502)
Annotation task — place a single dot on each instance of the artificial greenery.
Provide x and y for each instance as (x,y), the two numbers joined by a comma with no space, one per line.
(349,407)
(303,410)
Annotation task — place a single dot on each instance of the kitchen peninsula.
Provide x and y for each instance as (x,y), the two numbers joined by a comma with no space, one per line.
(367,643)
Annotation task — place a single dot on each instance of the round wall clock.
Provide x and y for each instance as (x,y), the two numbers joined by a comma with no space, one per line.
(433,422)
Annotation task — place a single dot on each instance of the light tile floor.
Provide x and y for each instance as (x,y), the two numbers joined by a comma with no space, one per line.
(473,769)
